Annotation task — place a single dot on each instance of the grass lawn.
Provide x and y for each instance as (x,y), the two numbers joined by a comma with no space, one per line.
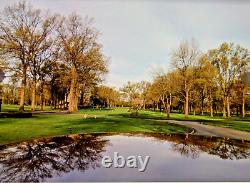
(234,122)
(242,125)
(12,108)
(42,125)
(117,120)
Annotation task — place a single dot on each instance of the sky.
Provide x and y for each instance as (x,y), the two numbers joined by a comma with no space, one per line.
(139,36)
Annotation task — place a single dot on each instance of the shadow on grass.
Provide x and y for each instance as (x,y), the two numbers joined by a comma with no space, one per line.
(159,116)
(118,123)
(153,117)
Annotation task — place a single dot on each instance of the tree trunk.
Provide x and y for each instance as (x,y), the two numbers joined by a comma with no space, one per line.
(228,107)
(108,104)
(216,110)
(211,111)
(186,105)
(202,104)
(168,108)
(66,100)
(81,99)
(23,86)
(243,103)
(42,99)
(33,96)
(224,107)
(54,103)
(164,105)
(73,94)
(170,102)
(57,103)
(42,103)
(211,104)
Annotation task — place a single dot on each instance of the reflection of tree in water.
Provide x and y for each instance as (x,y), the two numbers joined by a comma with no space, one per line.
(226,149)
(40,160)
(193,145)
(33,162)
(186,149)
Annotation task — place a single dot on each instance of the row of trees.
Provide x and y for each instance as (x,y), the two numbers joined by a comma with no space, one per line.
(220,71)
(216,81)
(46,54)
(58,61)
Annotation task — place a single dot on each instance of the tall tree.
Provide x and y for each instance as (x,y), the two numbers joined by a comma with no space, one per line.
(108,94)
(205,84)
(81,55)
(184,59)
(131,92)
(230,61)
(43,52)
(17,27)
(244,84)
(143,88)
(161,88)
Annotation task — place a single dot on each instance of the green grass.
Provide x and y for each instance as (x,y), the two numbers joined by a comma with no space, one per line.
(234,122)
(12,108)
(149,114)
(118,120)
(43,125)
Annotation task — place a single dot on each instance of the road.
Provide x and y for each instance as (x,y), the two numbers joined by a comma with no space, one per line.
(208,130)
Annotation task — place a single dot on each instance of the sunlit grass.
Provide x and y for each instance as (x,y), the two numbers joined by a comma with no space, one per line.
(101,120)
(12,108)
(234,122)
(84,121)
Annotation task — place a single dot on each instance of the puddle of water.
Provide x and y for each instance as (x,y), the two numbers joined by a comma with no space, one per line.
(172,158)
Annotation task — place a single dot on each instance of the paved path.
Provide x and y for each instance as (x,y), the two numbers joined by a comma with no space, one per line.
(209,130)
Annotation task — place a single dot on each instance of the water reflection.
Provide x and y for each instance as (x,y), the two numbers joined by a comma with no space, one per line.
(39,160)
(54,157)
(193,145)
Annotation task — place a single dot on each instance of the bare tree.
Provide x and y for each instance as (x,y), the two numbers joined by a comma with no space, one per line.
(43,53)
(108,94)
(81,55)
(184,59)
(230,61)
(131,93)
(25,40)
(18,23)
(245,82)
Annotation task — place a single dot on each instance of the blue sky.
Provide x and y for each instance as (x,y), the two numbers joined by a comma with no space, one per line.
(139,36)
